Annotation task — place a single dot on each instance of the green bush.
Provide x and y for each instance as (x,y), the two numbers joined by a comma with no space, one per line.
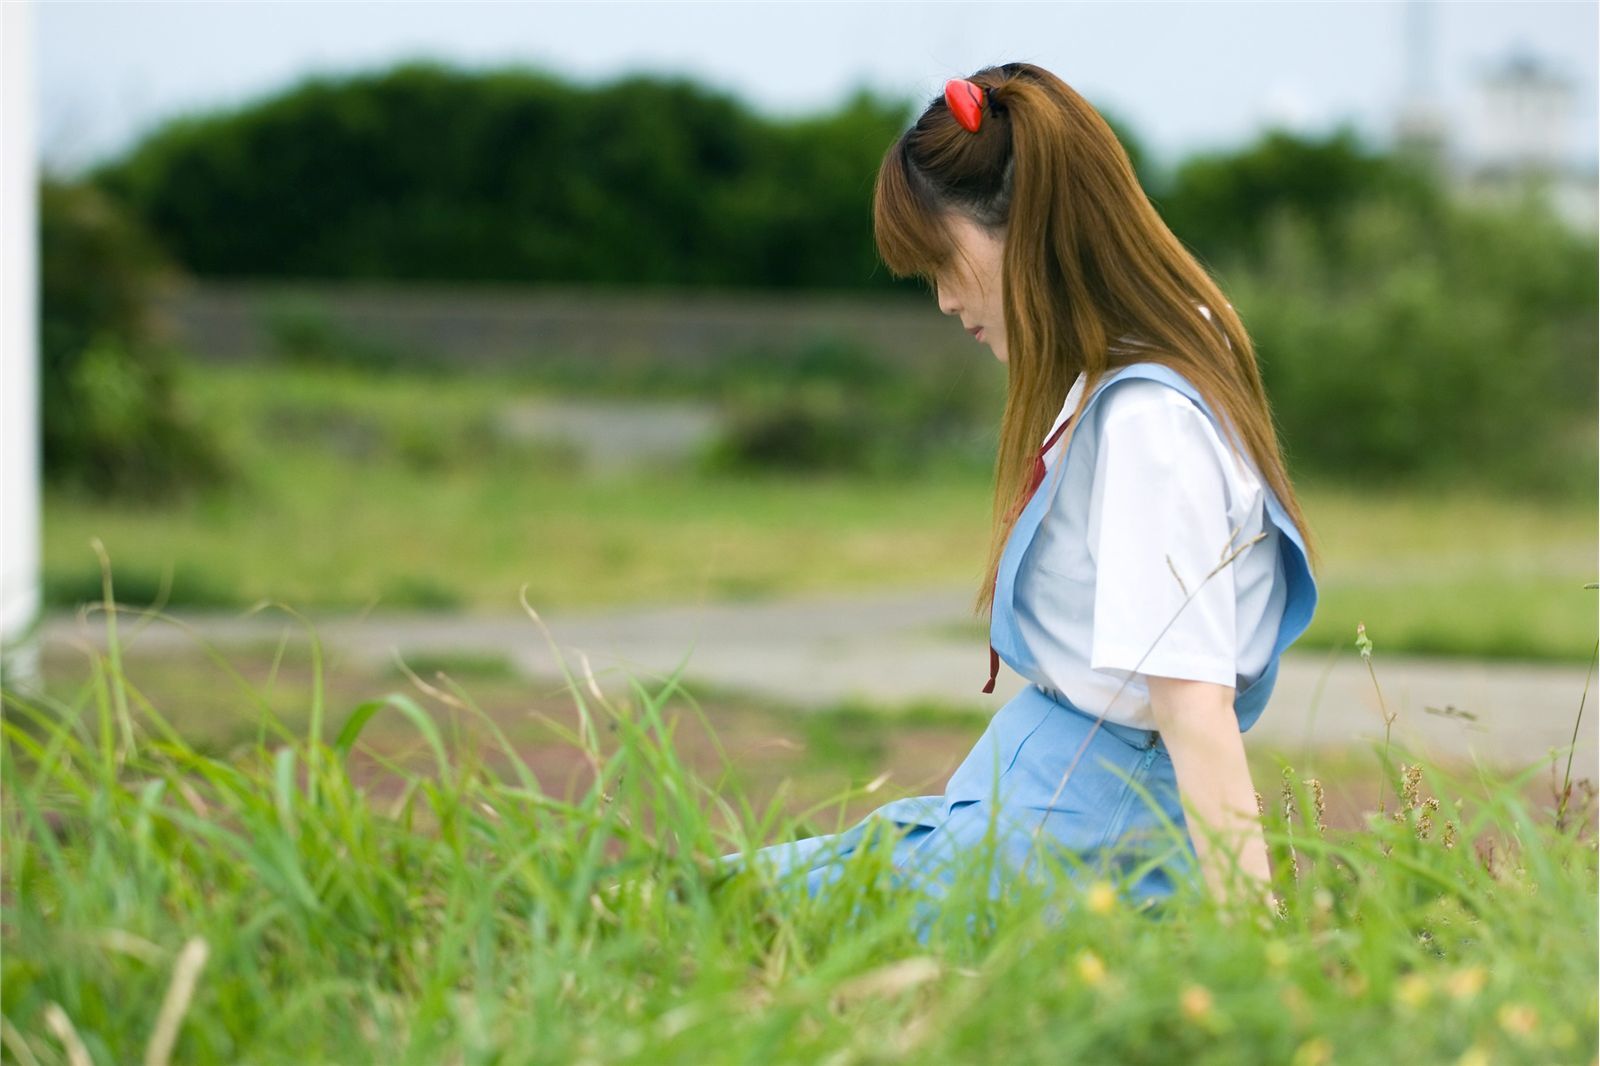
(112,420)
(810,430)
(833,406)
(1453,350)
(1222,203)
(190,587)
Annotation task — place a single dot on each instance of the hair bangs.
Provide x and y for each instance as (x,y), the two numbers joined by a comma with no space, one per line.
(911,237)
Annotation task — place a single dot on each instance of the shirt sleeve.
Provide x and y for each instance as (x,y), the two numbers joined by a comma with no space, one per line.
(1158,525)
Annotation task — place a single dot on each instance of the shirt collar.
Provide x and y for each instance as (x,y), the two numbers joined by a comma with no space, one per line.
(1071,402)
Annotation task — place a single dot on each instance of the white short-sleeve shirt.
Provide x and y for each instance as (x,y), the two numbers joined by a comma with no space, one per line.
(1151,502)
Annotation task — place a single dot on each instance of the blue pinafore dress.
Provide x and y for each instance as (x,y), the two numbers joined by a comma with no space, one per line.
(1046,773)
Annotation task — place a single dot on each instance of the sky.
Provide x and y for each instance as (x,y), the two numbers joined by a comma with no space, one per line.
(1183,76)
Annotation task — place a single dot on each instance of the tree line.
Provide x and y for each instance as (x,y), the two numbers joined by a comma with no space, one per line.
(1402,333)
(428,172)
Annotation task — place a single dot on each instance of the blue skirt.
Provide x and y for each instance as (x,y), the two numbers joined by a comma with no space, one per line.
(1115,816)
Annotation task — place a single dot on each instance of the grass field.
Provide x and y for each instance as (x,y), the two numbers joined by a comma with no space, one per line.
(267,858)
(397,491)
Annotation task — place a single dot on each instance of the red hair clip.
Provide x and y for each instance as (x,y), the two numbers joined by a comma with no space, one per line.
(965,101)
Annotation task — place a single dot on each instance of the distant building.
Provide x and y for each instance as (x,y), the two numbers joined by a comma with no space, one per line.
(1518,140)
(1526,119)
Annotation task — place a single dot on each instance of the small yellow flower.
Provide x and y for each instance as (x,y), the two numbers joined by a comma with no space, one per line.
(1518,1019)
(1278,954)
(1295,1001)
(1102,897)
(1467,982)
(1090,968)
(1314,1052)
(1476,1055)
(1195,1001)
(1413,991)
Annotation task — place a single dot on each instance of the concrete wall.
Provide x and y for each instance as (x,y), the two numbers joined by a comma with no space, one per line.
(507,324)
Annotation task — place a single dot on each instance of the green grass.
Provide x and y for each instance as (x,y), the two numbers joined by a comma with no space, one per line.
(1458,574)
(398,878)
(394,492)
(464,666)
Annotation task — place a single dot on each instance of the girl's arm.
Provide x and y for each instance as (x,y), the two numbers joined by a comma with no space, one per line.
(1198,725)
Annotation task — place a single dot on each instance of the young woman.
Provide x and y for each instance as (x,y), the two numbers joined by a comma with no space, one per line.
(1148,562)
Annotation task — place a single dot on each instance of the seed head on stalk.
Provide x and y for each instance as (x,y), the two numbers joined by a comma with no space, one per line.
(1365,645)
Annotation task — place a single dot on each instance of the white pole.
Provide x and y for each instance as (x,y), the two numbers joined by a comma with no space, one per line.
(19,349)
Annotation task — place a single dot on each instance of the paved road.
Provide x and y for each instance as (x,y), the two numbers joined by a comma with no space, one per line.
(898,647)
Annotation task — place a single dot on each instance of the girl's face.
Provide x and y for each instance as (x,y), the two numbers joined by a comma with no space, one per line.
(970,284)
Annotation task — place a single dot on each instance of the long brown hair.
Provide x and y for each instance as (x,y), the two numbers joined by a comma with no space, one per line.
(1087,259)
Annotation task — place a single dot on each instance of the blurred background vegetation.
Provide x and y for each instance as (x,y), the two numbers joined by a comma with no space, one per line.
(1432,362)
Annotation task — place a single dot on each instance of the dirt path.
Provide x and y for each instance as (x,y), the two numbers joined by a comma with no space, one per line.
(898,647)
